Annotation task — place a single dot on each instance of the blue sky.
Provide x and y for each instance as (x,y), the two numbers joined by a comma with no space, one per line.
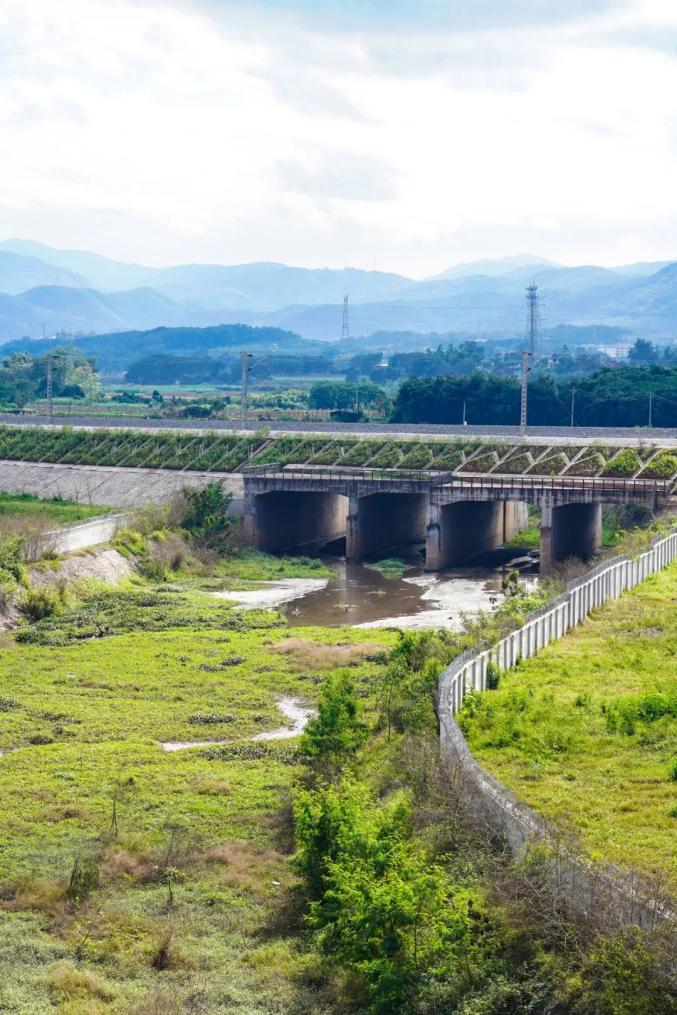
(405,135)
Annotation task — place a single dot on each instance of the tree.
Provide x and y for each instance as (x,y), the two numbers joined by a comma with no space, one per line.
(643,352)
(336,733)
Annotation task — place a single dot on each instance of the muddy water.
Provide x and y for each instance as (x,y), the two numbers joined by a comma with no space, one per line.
(361,596)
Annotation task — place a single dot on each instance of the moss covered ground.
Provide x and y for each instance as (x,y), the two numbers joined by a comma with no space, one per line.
(586,732)
(138,881)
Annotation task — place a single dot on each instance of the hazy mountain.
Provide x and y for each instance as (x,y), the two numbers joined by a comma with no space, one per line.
(496,267)
(205,287)
(59,308)
(100,272)
(19,272)
(83,292)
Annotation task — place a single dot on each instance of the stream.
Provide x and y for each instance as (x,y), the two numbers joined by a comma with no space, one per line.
(361,596)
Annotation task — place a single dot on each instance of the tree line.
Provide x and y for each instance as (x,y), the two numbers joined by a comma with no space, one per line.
(625,396)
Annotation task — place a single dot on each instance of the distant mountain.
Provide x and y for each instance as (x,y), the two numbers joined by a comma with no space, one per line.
(78,291)
(99,272)
(60,308)
(496,267)
(208,287)
(19,272)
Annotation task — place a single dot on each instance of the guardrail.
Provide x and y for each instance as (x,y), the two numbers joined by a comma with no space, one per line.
(342,473)
(589,486)
(599,487)
(468,672)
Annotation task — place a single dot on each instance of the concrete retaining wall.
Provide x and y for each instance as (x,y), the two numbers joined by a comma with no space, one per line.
(609,896)
(114,487)
(73,537)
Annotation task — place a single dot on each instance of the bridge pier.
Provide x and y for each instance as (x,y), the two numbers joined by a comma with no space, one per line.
(381,521)
(569,530)
(464,529)
(286,520)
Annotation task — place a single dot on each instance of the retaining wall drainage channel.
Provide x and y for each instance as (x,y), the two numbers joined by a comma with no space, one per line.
(586,890)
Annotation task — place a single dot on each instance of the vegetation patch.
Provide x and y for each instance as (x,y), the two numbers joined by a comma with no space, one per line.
(586,732)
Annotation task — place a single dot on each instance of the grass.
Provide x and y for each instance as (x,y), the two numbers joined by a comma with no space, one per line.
(586,732)
(62,512)
(84,776)
(391,567)
(255,565)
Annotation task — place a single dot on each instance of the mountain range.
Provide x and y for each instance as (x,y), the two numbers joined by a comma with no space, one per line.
(44,290)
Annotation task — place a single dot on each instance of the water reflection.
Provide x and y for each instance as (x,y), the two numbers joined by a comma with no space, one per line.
(363,597)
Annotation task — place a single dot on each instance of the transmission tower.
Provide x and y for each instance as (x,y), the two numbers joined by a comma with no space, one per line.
(533,327)
(533,317)
(345,328)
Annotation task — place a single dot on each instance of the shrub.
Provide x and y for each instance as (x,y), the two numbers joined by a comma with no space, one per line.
(493,676)
(626,463)
(663,466)
(84,878)
(39,603)
(336,732)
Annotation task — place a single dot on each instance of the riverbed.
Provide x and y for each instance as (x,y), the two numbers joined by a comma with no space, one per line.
(362,596)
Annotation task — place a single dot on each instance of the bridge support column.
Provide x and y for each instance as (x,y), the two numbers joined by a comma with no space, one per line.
(286,520)
(515,518)
(383,521)
(569,530)
(458,531)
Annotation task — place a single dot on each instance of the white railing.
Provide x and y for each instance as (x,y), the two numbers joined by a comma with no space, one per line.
(468,672)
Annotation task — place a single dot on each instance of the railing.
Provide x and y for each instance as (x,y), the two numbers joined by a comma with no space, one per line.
(599,487)
(468,672)
(587,486)
(343,473)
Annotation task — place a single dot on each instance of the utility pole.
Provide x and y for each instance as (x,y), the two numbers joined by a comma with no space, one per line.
(345,327)
(247,367)
(50,386)
(464,421)
(244,387)
(573,402)
(524,390)
(651,408)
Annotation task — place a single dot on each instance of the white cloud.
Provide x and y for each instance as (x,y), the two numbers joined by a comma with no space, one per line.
(195,132)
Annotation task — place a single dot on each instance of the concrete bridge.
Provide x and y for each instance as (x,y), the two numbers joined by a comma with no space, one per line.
(458,516)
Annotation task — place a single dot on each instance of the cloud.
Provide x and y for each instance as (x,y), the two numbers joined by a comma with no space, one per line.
(342,175)
(410,135)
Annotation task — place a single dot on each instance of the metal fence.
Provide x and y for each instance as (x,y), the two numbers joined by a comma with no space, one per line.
(468,672)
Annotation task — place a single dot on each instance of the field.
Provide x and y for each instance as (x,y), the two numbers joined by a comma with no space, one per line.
(138,881)
(586,732)
(61,512)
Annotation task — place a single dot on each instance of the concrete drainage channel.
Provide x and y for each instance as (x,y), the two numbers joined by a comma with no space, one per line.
(291,708)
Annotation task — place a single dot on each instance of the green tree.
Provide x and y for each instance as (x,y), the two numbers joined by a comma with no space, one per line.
(337,731)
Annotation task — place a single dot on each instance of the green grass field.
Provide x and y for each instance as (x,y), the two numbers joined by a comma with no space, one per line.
(134,880)
(586,733)
(186,902)
(23,505)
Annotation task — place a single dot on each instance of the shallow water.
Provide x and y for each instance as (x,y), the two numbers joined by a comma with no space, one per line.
(291,708)
(362,597)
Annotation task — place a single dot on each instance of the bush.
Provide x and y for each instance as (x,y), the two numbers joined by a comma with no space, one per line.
(39,603)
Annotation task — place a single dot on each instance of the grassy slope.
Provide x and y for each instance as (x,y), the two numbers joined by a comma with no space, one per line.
(105,703)
(544,731)
(24,506)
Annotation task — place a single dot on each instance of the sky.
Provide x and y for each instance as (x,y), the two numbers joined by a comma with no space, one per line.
(401,135)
